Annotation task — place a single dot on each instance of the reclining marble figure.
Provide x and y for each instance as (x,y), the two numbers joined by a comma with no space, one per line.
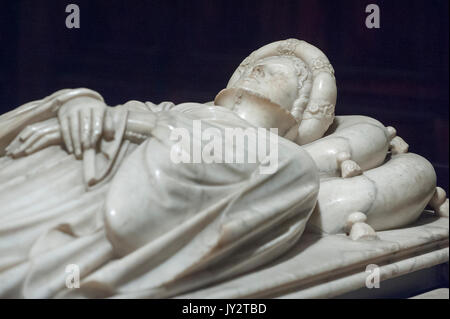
(85,184)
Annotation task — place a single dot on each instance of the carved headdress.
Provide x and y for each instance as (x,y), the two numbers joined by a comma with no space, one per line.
(316,100)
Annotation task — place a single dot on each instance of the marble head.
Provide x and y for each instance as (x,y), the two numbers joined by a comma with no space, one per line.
(284,80)
(292,83)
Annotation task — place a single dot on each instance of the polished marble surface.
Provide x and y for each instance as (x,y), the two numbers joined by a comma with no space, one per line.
(328,266)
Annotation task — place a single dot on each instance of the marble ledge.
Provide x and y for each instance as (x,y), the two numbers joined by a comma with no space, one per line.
(441,293)
(332,265)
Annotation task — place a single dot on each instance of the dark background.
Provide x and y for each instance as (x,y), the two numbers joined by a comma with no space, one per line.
(186,51)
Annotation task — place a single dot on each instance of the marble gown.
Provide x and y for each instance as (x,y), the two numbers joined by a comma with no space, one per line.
(183,226)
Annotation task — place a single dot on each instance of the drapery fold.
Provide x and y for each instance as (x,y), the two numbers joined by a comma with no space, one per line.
(201,223)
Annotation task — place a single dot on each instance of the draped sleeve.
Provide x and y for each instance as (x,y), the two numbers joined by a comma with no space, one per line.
(180,226)
(152,228)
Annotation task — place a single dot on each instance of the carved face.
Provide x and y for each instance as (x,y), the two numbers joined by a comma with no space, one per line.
(274,78)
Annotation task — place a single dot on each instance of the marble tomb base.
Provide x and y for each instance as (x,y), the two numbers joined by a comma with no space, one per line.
(333,266)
